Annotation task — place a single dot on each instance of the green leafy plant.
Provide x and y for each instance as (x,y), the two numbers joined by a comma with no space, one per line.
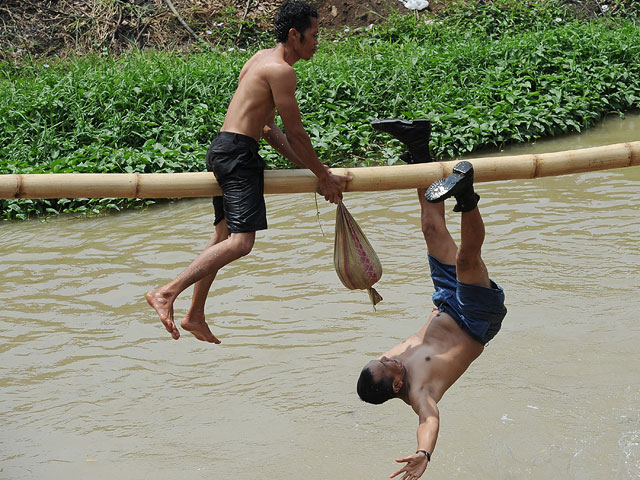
(500,72)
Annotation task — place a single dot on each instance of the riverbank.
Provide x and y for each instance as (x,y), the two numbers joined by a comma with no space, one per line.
(63,28)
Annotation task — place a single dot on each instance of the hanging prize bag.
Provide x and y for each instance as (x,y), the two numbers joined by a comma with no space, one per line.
(355,261)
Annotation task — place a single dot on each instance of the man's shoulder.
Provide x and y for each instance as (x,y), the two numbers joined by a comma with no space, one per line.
(270,58)
(424,400)
(280,75)
(265,65)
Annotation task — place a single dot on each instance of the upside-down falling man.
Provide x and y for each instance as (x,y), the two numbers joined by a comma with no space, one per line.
(469,306)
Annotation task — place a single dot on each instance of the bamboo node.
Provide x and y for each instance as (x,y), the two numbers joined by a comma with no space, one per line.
(629,154)
(19,186)
(137,191)
(536,165)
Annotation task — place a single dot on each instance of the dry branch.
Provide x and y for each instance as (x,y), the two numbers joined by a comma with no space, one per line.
(181,20)
(244,17)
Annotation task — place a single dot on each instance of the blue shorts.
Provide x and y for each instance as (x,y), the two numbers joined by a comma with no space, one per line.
(477,310)
(234,160)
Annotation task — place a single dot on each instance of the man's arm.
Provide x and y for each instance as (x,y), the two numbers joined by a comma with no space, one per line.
(283,86)
(429,418)
(274,136)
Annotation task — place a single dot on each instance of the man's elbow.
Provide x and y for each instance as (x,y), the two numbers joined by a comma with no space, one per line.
(431,421)
(266,131)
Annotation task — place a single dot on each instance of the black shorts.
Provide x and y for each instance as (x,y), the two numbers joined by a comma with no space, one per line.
(234,160)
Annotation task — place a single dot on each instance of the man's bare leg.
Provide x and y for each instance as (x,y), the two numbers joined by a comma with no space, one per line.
(469,265)
(194,320)
(440,244)
(212,259)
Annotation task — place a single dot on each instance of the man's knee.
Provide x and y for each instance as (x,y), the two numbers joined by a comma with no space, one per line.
(242,243)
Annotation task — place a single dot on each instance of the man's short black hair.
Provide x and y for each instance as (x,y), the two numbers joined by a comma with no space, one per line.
(374,392)
(293,14)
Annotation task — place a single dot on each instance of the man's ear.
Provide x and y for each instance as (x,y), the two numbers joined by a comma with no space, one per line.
(293,34)
(397,385)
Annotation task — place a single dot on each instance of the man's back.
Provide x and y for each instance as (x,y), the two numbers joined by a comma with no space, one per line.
(252,105)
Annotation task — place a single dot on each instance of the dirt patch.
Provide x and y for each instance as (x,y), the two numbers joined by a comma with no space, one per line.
(354,14)
(42,28)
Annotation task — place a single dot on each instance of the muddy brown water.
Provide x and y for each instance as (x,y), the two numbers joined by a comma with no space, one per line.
(93,387)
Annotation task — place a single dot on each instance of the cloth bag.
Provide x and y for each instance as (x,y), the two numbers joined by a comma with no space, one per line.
(354,259)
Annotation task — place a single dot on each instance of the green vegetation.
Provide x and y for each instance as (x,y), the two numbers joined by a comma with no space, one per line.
(485,75)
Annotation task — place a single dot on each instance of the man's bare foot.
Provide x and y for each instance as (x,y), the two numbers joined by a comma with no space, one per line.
(199,328)
(163,305)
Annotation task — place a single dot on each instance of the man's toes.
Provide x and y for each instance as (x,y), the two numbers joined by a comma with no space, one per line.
(198,335)
(211,338)
(174,332)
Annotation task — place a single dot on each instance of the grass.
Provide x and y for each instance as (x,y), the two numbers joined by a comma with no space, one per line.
(485,75)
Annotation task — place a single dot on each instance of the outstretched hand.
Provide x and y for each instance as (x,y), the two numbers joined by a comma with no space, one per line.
(415,466)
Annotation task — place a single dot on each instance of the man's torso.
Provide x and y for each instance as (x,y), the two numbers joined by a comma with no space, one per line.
(437,355)
(252,105)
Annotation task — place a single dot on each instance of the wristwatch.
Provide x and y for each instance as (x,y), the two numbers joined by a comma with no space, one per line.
(426,453)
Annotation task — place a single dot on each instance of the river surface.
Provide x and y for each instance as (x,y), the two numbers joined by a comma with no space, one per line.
(93,387)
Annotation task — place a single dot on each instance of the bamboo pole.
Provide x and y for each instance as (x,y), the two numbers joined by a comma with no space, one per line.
(203,184)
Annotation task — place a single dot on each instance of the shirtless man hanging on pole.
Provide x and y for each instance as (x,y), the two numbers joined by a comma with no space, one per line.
(469,309)
(266,84)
